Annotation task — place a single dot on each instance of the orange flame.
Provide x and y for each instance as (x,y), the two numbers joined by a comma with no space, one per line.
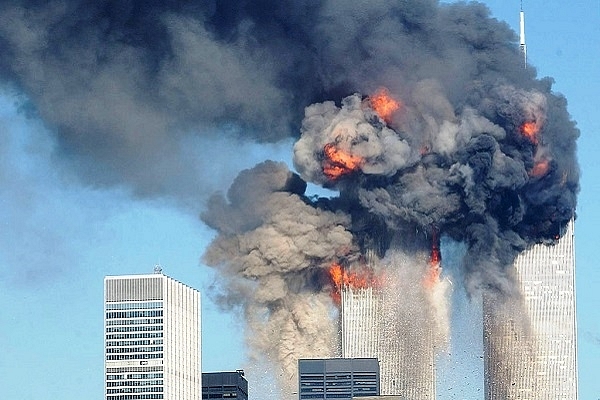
(338,162)
(530,130)
(360,279)
(540,168)
(435,259)
(384,104)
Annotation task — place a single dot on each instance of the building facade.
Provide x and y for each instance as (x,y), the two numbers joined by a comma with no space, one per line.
(224,385)
(530,347)
(360,319)
(337,378)
(375,326)
(152,338)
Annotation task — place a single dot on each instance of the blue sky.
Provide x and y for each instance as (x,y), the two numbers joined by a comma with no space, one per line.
(60,238)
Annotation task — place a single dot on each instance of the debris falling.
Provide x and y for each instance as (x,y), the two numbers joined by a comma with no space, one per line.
(127,87)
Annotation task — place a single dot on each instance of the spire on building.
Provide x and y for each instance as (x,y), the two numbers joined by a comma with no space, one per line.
(522,45)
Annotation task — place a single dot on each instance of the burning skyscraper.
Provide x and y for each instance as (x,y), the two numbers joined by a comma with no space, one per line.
(400,318)
(402,344)
(417,114)
(530,342)
(487,178)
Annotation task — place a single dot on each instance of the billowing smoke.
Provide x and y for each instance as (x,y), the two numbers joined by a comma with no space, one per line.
(485,156)
(467,142)
(472,172)
(127,86)
(273,249)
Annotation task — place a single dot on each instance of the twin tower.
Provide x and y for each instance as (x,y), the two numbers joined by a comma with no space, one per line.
(530,344)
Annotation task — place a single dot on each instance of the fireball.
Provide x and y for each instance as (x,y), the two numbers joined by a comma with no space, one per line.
(384,104)
(530,130)
(339,162)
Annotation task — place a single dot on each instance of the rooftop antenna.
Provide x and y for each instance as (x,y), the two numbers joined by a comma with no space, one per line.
(522,45)
(158,269)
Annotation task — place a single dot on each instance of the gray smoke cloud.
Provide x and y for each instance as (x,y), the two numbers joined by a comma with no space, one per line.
(126,87)
(273,250)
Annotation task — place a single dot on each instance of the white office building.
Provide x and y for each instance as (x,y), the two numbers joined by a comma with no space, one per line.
(530,346)
(152,338)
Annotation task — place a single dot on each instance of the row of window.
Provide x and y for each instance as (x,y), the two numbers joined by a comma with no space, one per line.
(142,328)
(111,377)
(133,342)
(144,376)
(338,378)
(338,383)
(142,356)
(135,390)
(135,383)
(134,306)
(144,321)
(134,314)
(339,389)
(220,388)
(135,397)
(135,349)
(134,335)
(134,369)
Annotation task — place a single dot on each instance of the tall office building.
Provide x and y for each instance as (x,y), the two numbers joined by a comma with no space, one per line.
(152,338)
(360,318)
(224,385)
(374,325)
(337,378)
(530,346)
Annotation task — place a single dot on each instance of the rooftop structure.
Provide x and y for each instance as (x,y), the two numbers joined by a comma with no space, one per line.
(337,378)
(224,385)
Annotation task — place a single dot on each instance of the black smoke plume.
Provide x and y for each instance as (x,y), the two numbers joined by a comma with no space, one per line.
(125,86)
